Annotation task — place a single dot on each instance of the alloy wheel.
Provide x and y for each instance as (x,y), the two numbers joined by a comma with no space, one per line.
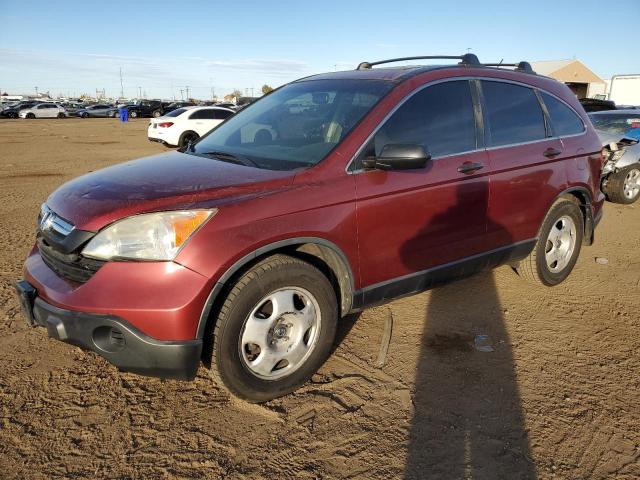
(631,185)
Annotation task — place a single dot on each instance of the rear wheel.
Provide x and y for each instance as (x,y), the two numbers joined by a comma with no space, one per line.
(114,114)
(186,138)
(30,115)
(558,245)
(85,115)
(61,115)
(12,115)
(275,329)
(156,113)
(623,186)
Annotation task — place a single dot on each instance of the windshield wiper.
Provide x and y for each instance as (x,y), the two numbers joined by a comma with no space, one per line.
(240,160)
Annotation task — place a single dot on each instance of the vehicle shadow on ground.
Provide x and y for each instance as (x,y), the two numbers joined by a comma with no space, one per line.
(468,421)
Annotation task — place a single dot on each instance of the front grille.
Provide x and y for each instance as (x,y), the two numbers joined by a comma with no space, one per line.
(71,266)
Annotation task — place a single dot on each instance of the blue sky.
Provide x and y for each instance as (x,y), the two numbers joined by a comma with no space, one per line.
(74,47)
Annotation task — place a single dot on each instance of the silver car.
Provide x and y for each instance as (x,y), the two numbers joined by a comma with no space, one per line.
(619,132)
(97,111)
(43,110)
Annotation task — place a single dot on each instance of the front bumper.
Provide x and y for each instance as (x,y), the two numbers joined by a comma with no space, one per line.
(119,342)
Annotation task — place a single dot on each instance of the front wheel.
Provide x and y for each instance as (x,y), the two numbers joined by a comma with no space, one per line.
(623,186)
(133,114)
(558,246)
(30,115)
(156,113)
(275,329)
(61,115)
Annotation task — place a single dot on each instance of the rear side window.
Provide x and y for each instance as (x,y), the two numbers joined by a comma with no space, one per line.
(440,118)
(223,114)
(564,121)
(513,114)
(205,114)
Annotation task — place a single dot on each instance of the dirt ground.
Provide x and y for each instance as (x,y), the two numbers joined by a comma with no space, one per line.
(557,397)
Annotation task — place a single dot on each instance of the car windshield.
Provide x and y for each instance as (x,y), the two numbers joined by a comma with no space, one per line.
(616,123)
(293,127)
(176,112)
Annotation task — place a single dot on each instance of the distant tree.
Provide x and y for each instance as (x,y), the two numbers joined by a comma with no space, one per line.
(236,94)
(266,89)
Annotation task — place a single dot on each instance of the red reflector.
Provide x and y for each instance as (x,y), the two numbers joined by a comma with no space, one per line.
(165,124)
(635,125)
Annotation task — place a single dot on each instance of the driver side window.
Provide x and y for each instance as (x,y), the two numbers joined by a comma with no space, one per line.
(439,117)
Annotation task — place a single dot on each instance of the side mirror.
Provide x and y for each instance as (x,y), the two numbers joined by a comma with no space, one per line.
(399,156)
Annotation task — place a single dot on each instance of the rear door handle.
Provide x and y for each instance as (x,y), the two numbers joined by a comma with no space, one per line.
(552,152)
(470,167)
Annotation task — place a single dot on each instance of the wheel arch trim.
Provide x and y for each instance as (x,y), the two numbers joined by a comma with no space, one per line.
(585,197)
(336,261)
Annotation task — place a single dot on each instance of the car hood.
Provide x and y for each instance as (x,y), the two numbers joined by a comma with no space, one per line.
(169,181)
(606,138)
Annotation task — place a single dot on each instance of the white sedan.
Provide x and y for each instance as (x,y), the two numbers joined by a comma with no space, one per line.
(43,110)
(183,125)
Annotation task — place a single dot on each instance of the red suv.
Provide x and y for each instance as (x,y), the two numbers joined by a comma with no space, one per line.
(331,194)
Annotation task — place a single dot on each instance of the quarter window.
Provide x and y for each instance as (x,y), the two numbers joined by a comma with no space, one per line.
(513,114)
(564,121)
(440,118)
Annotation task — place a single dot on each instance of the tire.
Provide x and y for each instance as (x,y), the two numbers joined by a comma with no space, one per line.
(623,186)
(12,115)
(84,115)
(187,137)
(133,114)
(30,116)
(114,114)
(156,113)
(539,267)
(61,115)
(261,373)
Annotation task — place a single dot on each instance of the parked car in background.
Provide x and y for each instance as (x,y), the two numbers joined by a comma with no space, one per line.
(72,108)
(13,110)
(146,108)
(185,125)
(255,241)
(175,105)
(619,132)
(226,105)
(596,105)
(43,110)
(97,111)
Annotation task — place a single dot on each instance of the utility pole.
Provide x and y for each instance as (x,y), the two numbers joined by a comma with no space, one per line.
(139,92)
(36,91)
(187,89)
(252,91)
(121,85)
(213,95)
(181,96)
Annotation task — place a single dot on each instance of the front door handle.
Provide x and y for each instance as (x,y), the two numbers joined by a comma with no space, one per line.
(470,167)
(552,152)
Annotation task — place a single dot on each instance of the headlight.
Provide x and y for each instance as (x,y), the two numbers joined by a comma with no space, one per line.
(151,236)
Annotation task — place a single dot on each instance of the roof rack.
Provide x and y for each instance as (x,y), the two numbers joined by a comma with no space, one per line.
(468,59)
(524,67)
